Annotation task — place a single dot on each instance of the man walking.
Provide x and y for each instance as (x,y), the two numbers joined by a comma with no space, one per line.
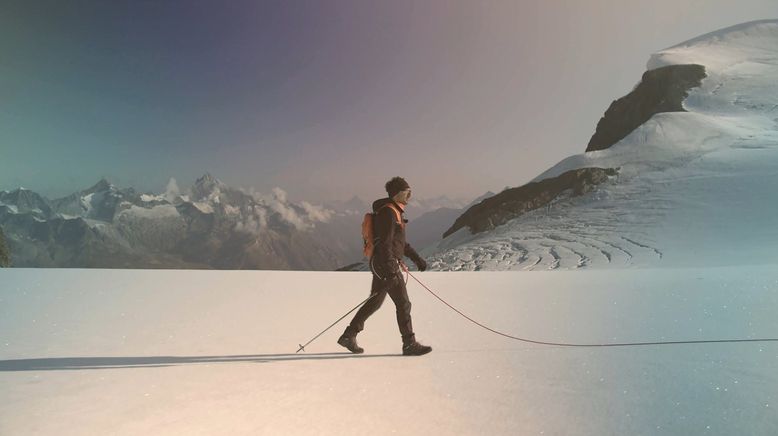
(385,264)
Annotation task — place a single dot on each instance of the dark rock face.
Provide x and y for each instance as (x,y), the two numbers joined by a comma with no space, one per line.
(511,203)
(26,201)
(5,258)
(660,90)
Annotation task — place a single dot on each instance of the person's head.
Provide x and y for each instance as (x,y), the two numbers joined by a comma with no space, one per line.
(399,190)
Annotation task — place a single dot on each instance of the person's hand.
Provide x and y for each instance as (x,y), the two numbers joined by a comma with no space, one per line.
(421,264)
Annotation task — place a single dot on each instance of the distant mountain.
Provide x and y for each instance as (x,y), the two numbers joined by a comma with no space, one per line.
(100,202)
(353,206)
(211,226)
(680,171)
(429,227)
(420,206)
(26,200)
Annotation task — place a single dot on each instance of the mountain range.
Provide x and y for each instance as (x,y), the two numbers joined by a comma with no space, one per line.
(211,225)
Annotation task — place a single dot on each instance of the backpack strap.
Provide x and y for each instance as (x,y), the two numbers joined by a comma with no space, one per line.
(397,213)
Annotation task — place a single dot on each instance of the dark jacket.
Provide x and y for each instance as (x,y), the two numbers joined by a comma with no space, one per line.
(391,245)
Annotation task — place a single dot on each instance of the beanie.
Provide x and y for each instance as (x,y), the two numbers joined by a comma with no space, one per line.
(396,185)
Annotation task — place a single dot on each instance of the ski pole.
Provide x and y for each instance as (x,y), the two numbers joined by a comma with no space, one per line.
(302,347)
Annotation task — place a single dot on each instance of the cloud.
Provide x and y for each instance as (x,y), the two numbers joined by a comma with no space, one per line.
(317,213)
(279,194)
(255,222)
(172,191)
(287,211)
(303,216)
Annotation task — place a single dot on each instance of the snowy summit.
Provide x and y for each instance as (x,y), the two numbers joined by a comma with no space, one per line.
(694,187)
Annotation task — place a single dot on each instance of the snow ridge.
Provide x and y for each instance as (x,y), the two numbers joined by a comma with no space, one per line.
(684,177)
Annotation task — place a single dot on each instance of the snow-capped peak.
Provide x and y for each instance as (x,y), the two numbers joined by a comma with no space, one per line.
(693,186)
(101,186)
(751,42)
(207,187)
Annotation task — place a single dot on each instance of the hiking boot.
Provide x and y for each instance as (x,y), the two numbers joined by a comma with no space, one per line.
(350,342)
(415,349)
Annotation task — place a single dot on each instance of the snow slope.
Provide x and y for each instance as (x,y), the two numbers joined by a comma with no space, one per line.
(695,188)
(128,352)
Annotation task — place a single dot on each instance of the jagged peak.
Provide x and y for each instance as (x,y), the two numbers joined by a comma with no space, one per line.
(208,178)
(207,185)
(102,185)
(18,190)
(21,192)
(355,201)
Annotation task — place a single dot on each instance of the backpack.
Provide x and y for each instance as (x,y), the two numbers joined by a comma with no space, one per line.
(369,239)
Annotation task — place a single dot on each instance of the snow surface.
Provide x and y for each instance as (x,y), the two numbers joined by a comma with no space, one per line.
(66,216)
(11,207)
(203,206)
(156,212)
(87,202)
(695,188)
(148,198)
(130,352)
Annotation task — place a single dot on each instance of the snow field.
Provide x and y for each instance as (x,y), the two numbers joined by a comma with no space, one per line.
(209,352)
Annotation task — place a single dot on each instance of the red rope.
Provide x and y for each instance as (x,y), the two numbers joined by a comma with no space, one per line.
(561,344)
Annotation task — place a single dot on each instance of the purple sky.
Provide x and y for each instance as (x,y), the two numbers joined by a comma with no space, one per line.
(325,100)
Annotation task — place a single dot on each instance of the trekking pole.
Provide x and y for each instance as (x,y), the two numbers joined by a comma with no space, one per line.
(302,347)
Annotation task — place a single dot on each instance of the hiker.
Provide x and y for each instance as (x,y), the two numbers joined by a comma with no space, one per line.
(385,264)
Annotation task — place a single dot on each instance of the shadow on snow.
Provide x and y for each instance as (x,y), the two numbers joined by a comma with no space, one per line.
(80,363)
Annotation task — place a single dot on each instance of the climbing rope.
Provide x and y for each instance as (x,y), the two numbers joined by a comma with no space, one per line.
(562,344)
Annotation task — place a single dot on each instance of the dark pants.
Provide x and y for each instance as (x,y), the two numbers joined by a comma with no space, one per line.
(395,287)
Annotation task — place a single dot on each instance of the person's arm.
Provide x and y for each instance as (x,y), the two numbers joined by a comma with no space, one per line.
(414,256)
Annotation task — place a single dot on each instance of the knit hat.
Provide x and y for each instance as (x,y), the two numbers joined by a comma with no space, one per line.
(396,185)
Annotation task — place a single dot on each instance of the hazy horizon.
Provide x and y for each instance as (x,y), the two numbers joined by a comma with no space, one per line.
(324,102)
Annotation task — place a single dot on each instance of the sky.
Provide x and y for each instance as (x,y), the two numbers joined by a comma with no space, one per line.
(325,100)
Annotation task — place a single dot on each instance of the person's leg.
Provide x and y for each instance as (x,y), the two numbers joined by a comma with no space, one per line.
(358,322)
(399,295)
(349,337)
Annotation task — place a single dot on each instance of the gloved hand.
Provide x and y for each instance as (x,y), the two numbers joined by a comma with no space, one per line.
(421,264)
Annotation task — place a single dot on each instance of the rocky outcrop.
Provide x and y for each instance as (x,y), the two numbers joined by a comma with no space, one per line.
(5,258)
(514,202)
(660,90)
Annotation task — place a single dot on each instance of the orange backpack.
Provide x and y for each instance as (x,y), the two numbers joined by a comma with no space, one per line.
(368,236)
